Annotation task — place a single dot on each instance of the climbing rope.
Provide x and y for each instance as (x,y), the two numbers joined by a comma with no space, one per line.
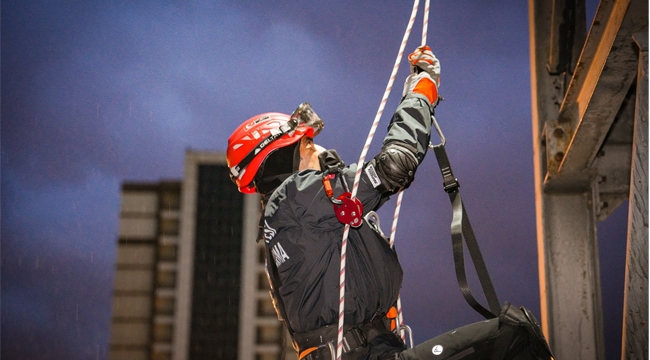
(398,205)
(362,158)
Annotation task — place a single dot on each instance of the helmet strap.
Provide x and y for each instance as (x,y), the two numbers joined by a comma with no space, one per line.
(236,170)
(296,154)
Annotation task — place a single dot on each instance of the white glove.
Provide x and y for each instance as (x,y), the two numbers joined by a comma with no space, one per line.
(424,59)
(425,74)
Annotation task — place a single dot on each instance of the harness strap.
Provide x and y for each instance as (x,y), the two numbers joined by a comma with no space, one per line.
(315,344)
(303,355)
(461,228)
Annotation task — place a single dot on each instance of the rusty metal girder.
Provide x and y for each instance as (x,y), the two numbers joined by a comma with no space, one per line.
(602,78)
(568,29)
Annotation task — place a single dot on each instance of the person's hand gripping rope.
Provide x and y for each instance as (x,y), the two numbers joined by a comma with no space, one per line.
(425,74)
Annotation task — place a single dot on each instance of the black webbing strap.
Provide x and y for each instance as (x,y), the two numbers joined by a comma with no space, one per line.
(462,229)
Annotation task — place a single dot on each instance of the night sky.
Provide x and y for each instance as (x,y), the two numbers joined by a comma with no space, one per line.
(95,93)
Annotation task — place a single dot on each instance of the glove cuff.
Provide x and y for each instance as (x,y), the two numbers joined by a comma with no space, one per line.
(422,84)
(428,88)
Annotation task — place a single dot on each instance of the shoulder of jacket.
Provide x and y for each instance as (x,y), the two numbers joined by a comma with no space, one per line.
(287,190)
(298,189)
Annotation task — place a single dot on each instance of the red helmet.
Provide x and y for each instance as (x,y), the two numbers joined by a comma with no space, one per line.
(252,142)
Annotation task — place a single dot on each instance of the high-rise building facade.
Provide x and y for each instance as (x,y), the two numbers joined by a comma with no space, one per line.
(190,281)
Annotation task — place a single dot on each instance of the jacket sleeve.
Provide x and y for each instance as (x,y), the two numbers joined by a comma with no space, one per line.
(411,125)
(404,147)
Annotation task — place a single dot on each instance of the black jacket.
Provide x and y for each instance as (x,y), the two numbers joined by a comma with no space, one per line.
(303,237)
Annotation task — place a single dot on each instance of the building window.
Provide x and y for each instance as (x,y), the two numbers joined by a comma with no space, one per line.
(269,334)
(265,307)
(164,306)
(167,252)
(266,356)
(162,333)
(170,200)
(261,257)
(263,282)
(161,355)
(166,278)
(169,226)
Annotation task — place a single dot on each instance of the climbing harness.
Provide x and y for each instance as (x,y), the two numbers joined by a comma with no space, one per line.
(315,344)
(362,157)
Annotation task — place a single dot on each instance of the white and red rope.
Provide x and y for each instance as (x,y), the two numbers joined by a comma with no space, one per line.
(398,205)
(362,158)
(425,22)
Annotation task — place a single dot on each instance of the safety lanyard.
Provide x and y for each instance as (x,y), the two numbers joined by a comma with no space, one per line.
(461,228)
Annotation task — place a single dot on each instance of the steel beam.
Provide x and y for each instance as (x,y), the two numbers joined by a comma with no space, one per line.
(582,154)
(603,76)
(572,294)
(571,311)
(613,178)
(567,29)
(613,160)
(635,308)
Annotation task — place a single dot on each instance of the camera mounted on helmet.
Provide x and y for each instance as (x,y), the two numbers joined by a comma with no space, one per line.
(304,115)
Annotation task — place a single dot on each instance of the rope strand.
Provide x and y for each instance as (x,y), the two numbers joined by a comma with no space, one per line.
(393,230)
(362,158)
(425,22)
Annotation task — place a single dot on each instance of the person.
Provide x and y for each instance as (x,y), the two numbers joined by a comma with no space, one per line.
(307,203)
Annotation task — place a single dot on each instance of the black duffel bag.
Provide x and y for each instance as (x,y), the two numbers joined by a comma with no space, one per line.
(513,335)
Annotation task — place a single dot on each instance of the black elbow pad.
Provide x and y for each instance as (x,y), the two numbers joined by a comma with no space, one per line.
(393,169)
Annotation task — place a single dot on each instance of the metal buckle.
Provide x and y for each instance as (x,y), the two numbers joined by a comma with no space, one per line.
(354,337)
(319,353)
(450,183)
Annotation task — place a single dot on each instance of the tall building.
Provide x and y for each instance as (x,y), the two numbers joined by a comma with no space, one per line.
(190,281)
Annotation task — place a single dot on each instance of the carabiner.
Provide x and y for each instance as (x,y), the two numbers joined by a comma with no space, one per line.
(442,137)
